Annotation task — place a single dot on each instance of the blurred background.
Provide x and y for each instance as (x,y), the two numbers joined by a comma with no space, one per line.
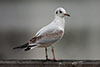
(21,19)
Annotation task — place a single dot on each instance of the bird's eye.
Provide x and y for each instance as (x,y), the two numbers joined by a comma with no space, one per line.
(60,11)
(56,12)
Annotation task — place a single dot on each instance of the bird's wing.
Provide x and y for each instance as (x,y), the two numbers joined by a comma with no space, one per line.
(47,35)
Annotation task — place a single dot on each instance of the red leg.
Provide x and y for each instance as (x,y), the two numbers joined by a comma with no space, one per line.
(53,53)
(46,53)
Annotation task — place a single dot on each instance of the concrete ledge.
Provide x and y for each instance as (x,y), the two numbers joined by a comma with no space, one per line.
(44,63)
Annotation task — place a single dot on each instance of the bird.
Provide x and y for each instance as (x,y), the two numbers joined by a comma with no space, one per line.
(49,34)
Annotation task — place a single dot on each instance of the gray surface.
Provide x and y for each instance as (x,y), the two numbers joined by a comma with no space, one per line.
(44,63)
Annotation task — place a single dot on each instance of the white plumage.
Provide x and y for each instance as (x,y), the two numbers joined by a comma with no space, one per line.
(49,34)
(54,28)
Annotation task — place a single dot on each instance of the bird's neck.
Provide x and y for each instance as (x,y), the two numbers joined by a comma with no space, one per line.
(59,21)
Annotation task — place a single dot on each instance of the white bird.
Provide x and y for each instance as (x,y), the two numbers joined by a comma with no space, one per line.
(49,34)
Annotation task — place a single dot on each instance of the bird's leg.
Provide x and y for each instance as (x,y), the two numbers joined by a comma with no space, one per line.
(46,53)
(53,53)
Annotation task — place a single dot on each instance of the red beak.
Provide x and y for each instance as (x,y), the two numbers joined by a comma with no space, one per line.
(67,14)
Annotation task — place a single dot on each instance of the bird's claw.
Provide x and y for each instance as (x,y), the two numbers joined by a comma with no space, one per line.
(52,60)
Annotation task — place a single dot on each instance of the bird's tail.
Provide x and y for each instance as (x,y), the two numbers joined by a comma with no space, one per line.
(30,47)
(22,46)
(26,47)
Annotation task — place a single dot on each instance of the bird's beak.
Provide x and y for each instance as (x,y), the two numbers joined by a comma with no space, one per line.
(66,14)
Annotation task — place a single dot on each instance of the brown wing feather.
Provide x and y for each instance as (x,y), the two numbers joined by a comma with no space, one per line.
(34,39)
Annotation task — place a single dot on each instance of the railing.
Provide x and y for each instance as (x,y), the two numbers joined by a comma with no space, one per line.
(44,63)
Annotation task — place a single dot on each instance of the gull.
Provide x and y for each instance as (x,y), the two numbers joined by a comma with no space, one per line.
(49,34)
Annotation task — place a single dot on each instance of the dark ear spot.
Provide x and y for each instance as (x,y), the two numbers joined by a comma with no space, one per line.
(60,11)
(56,12)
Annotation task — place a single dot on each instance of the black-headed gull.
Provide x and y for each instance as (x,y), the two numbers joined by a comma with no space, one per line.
(49,34)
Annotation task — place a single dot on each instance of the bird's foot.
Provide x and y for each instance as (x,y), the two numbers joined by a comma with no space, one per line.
(52,59)
(48,59)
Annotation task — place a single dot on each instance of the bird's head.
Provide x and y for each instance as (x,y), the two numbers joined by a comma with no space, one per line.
(61,12)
